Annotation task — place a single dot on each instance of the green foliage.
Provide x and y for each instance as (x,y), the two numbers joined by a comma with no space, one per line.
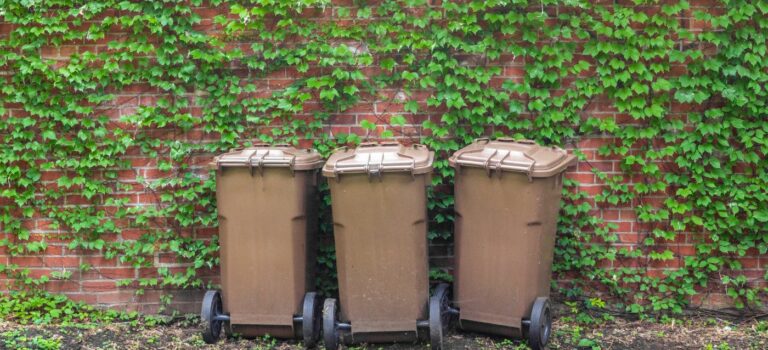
(693,173)
(440,275)
(42,308)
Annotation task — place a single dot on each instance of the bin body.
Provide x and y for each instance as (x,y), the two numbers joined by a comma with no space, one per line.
(379,206)
(507,199)
(267,228)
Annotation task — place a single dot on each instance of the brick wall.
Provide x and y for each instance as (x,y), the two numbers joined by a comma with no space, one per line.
(98,285)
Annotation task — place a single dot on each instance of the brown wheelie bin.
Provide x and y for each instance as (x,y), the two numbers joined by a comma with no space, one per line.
(507,199)
(267,227)
(379,207)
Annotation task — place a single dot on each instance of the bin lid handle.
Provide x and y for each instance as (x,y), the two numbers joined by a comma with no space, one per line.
(337,167)
(530,168)
(250,163)
(374,170)
(487,162)
(413,161)
(528,171)
(498,167)
(461,152)
(265,159)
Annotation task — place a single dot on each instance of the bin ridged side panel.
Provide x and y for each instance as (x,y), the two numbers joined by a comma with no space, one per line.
(504,240)
(380,231)
(263,236)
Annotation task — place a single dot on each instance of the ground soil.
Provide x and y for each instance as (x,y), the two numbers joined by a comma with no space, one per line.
(570,332)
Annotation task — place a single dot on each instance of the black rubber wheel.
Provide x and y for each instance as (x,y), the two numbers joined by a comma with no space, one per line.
(330,319)
(541,324)
(439,316)
(310,324)
(211,308)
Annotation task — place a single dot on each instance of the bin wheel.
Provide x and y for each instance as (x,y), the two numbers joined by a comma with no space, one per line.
(211,308)
(310,324)
(541,324)
(439,316)
(330,320)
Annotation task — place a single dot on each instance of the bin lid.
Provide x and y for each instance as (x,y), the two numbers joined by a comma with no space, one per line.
(270,157)
(507,154)
(375,158)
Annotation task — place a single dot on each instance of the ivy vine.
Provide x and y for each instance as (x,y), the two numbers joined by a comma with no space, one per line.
(683,88)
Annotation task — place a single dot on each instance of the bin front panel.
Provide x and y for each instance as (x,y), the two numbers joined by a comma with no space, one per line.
(264,230)
(380,228)
(504,241)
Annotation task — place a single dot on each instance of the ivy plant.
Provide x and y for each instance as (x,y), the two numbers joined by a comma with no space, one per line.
(114,108)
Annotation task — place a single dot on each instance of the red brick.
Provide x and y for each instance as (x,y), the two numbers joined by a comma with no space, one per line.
(62,261)
(84,297)
(610,214)
(684,250)
(148,272)
(67,50)
(127,100)
(623,226)
(49,52)
(153,173)
(627,215)
(594,143)
(602,166)
(27,261)
(99,286)
(118,297)
(514,71)
(749,263)
(146,198)
(39,272)
(126,174)
(592,190)
(62,286)
(110,273)
(335,130)
(132,234)
(666,264)
(344,119)
(206,233)
(99,261)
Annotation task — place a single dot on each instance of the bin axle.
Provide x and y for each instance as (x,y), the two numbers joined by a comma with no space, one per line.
(343,326)
(221,317)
